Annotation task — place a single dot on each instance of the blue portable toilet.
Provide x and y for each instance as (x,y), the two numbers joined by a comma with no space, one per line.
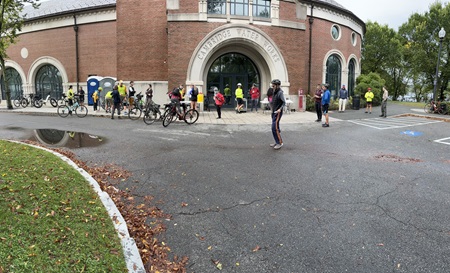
(93,83)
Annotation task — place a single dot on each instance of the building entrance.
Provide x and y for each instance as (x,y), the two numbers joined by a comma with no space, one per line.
(231,69)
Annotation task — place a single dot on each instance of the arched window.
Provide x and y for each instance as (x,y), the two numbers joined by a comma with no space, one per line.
(14,83)
(49,80)
(351,77)
(333,76)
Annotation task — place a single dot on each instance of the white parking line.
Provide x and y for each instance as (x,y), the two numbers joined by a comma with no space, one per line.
(443,140)
(392,123)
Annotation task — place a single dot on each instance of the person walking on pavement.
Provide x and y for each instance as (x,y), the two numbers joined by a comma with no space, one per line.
(326,103)
(384,102)
(117,100)
(343,96)
(219,100)
(122,88)
(318,102)
(278,103)
(81,94)
(254,93)
(369,97)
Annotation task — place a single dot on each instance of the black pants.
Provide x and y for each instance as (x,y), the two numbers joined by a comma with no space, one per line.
(319,110)
(219,110)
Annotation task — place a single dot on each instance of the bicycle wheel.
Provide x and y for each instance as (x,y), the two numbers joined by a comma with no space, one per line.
(149,118)
(24,103)
(63,111)
(428,109)
(16,102)
(134,113)
(53,102)
(167,119)
(38,103)
(81,111)
(191,116)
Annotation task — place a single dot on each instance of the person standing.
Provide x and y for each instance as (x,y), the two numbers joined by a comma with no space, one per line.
(219,100)
(95,98)
(239,94)
(278,102)
(131,94)
(122,89)
(326,104)
(254,94)
(117,100)
(193,95)
(343,96)
(148,96)
(70,95)
(369,97)
(318,102)
(384,102)
(227,93)
(81,94)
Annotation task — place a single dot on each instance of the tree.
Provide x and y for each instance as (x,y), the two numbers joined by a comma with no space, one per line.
(382,53)
(11,22)
(421,49)
(372,80)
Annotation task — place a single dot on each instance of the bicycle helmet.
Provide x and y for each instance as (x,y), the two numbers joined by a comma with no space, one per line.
(100,89)
(276,82)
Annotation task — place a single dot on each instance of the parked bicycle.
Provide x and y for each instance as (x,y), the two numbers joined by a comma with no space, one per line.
(42,102)
(80,110)
(190,116)
(136,108)
(30,100)
(436,108)
(152,113)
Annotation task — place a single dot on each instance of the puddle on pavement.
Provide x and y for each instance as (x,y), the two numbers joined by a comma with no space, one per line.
(68,139)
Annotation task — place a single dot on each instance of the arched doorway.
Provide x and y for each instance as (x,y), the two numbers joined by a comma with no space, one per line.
(351,77)
(14,83)
(333,75)
(49,80)
(231,69)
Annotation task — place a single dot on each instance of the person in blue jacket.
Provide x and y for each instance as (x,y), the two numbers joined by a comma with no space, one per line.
(325,103)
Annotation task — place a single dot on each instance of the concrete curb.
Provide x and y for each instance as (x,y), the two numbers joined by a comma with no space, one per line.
(133,259)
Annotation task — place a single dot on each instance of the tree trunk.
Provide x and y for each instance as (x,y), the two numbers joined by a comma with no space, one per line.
(5,83)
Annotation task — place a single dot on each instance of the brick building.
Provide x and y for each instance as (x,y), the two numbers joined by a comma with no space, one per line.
(170,42)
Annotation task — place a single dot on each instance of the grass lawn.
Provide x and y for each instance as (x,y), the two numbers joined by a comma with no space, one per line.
(418,105)
(50,218)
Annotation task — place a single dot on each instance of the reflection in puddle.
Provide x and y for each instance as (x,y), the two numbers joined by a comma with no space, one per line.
(58,138)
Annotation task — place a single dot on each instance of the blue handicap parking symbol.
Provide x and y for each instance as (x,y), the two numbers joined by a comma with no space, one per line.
(412,133)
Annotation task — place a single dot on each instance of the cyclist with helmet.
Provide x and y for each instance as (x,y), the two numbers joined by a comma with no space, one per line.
(278,103)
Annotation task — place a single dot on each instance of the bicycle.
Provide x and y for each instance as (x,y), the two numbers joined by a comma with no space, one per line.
(18,99)
(189,116)
(65,110)
(152,113)
(30,100)
(436,108)
(135,110)
(42,102)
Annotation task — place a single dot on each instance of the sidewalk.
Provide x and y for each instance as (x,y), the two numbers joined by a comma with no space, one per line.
(229,116)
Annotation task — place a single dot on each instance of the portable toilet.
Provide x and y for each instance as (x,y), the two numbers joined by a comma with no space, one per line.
(93,83)
(107,83)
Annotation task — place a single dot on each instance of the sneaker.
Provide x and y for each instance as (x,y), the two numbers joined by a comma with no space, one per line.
(278,146)
(325,125)
(365,112)
(272,145)
(112,117)
(318,120)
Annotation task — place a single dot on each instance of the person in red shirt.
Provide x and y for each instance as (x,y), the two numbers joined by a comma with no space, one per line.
(219,101)
(254,94)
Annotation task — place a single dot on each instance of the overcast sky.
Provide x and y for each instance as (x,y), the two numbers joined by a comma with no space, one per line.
(391,12)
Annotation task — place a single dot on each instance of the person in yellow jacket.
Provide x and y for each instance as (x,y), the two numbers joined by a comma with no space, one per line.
(369,97)
(70,95)
(122,88)
(96,98)
(108,98)
(239,94)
